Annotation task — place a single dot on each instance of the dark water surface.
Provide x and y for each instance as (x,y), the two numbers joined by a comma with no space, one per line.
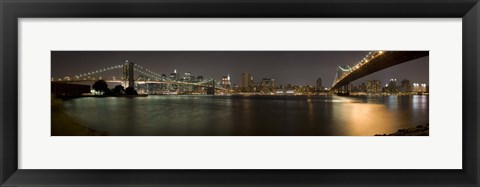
(207,115)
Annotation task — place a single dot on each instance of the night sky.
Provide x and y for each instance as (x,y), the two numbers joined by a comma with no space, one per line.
(294,67)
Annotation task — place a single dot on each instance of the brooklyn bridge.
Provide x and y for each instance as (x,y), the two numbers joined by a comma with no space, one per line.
(128,79)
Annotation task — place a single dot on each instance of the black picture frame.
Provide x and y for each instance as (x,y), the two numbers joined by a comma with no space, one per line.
(11,10)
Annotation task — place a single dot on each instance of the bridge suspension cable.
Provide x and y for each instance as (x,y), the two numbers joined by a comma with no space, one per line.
(149,74)
(347,69)
(91,73)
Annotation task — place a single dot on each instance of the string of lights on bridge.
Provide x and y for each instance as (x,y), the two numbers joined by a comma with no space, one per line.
(147,72)
(150,75)
(368,58)
(89,74)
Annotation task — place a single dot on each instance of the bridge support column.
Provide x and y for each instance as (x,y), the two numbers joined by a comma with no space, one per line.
(128,74)
(211,90)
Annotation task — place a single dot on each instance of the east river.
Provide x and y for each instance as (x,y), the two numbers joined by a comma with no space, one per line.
(208,115)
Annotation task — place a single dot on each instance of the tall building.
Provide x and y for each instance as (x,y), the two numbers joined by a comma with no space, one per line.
(192,79)
(405,87)
(246,81)
(423,87)
(416,87)
(187,77)
(419,87)
(225,83)
(392,86)
(174,75)
(374,86)
(362,87)
(289,86)
(267,85)
(319,86)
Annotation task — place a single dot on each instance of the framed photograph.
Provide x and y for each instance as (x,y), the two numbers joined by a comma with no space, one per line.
(184,93)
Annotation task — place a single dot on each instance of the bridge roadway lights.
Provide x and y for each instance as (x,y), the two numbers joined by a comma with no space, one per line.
(386,60)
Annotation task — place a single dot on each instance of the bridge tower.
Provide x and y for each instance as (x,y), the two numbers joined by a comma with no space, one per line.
(128,74)
(211,90)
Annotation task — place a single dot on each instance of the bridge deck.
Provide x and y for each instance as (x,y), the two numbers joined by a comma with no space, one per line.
(386,60)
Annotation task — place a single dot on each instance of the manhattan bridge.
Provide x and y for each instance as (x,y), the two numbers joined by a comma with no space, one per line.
(374,61)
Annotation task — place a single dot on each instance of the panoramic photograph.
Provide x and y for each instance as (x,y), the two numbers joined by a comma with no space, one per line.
(240,93)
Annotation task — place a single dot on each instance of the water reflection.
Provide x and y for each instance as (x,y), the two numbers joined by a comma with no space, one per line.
(240,115)
(363,119)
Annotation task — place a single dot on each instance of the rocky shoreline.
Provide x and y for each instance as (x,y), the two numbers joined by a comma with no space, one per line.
(419,130)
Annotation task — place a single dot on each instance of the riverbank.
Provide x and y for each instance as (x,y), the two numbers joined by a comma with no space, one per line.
(420,130)
(63,125)
(102,96)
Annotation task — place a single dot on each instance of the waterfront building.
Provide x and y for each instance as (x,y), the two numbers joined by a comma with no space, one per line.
(192,79)
(419,88)
(423,88)
(362,87)
(225,83)
(392,86)
(319,86)
(174,75)
(405,87)
(186,77)
(289,87)
(280,92)
(267,85)
(374,86)
(246,82)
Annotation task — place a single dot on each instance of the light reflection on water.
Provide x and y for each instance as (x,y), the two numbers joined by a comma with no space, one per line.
(239,115)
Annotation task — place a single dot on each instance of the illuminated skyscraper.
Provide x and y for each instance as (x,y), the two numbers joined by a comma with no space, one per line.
(423,87)
(419,88)
(373,86)
(174,75)
(225,83)
(187,77)
(246,81)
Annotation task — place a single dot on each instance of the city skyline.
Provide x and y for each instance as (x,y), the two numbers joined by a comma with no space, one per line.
(286,67)
(240,93)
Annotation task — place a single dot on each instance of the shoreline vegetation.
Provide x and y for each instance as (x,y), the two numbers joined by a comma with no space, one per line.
(63,125)
(419,130)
